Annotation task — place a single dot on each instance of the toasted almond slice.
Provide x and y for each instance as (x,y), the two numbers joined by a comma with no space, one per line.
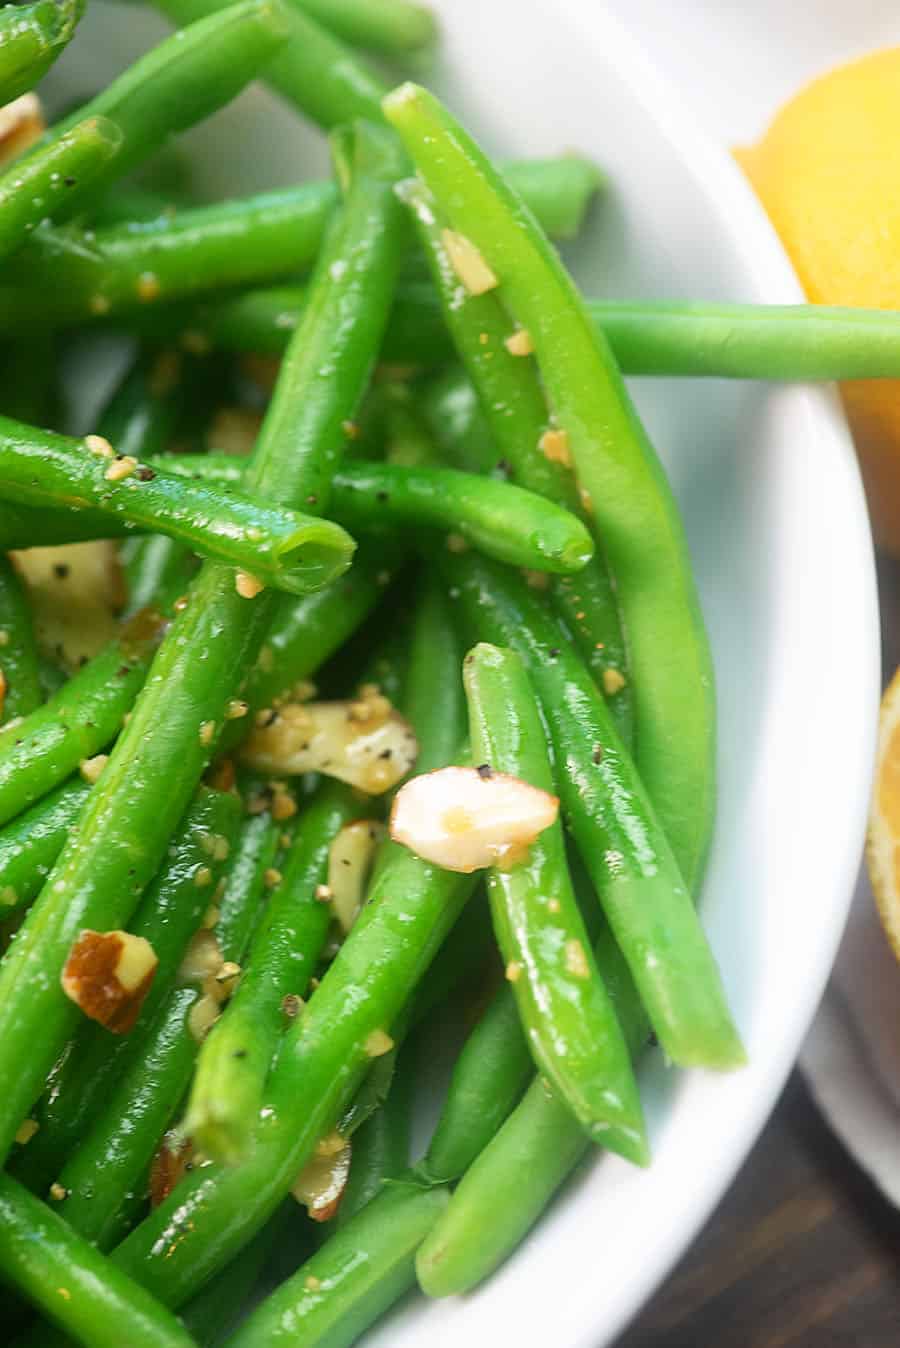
(363,742)
(169,1165)
(349,863)
(464,819)
(108,975)
(321,1183)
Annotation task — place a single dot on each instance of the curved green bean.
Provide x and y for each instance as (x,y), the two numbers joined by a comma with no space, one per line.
(40,186)
(178,83)
(240,902)
(567,1016)
(234,1061)
(19,664)
(280,547)
(617,831)
(212,643)
(355,1276)
(72,1283)
(518,421)
(390,28)
(31,842)
(622,481)
(510,1182)
(488,1078)
(31,38)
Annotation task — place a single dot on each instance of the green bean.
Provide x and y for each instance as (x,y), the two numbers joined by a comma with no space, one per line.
(433,699)
(72,1283)
(616,468)
(314,70)
(18,649)
(567,1016)
(31,842)
(283,548)
(135,269)
(178,83)
(143,412)
(489,1076)
(234,1062)
(31,38)
(391,28)
(62,279)
(128,203)
(241,900)
(512,1180)
(212,643)
(43,749)
(40,185)
(212,1312)
(611,817)
(169,915)
(355,1276)
(155,565)
(515,410)
(380,1148)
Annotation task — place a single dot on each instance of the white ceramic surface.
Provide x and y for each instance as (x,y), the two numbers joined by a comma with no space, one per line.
(779,535)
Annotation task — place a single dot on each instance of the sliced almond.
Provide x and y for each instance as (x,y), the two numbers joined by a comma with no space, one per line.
(464,819)
(21,124)
(322,1181)
(108,975)
(75,591)
(349,865)
(362,741)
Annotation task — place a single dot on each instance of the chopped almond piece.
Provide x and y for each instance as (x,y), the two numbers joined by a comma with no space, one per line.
(321,1183)
(21,123)
(349,864)
(468,263)
(108,974)
(555,446)
(169,1165)
(519,343)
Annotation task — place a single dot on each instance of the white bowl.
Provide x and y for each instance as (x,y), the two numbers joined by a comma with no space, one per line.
(778,529)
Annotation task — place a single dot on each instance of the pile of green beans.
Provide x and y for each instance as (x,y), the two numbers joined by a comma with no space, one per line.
(372,462)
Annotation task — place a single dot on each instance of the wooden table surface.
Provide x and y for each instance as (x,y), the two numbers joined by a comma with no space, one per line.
(803,1252)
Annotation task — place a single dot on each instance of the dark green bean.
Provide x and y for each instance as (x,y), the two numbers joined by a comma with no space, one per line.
(169,915)
(567,1016)
(380,1147)
(355,1276)
(31,842)
(234,1061)
(279,547)
(214,640)
(29,384)
(19,670)
(72,1283)
(615,826)
(212,1312)
(391,28)
(621,480)
(31,38)
(178,83)
(512,1180)
(240,902)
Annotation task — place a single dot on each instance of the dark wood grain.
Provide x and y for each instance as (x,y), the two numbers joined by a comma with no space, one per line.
(803,1252)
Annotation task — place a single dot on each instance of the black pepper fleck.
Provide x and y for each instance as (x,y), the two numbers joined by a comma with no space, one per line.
(145,474)
(597,753)
(485,771)
(61,570)
(553,652)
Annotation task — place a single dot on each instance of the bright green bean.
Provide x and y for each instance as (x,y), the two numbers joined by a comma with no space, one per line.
(19,665)
(41,185)
(169,915)
(31,842)
(209,648)
(234,1062)
(380,1148)
(72,1283)
(279,547)
(31,38)
(514,1177)
(240,902)
(178,83)
(214,1309)
(355,1276)
(617,831)
(391,27)
(567,1016)
(616,468)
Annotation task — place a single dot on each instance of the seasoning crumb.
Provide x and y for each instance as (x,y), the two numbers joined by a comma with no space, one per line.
(272,877)
(26,1131)
(312,1283)
(537,580)
(202,877)
(468,263)
(99,304)
(148,287)
(145,474)
(613,681)
(57,1192)
(64,1293)
(350,429)
(456,543)
(377,1044)
(554,445)
(210,917)
(519,343)
(324,893)
(122,466)
(247,586)
(292,1005)
(283,807)
(597,753)
(236,709)
(91,768)
(553,905)
(485,771)
(513,971)
(576,960)
(98,444)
